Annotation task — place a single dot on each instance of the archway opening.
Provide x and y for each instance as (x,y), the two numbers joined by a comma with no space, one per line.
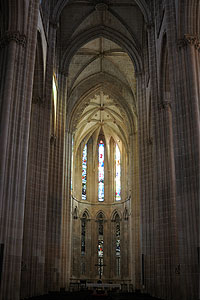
(103,116)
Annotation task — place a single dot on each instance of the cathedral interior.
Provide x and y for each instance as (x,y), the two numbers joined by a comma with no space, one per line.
(100,147)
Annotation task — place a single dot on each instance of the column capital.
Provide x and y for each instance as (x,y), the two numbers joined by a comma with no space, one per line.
(15,36)
(189,39)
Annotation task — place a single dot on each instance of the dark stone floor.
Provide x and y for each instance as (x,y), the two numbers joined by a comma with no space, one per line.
(86,295)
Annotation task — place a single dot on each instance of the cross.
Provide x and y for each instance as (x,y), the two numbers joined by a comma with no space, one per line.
(100,265)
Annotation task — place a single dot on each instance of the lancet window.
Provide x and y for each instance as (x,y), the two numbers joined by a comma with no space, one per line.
(118,174)
(117,249)
(84,172)
(101,171)
(83,233)
(100,244)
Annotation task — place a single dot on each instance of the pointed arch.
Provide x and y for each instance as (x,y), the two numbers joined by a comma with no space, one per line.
(86,214)
(57,9)
(111,86)
(130,46)
(100,215)
(114,214)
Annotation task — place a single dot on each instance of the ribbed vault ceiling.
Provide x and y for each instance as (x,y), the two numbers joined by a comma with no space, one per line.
(101,75)
(101,55)
(102,111)
(102,114)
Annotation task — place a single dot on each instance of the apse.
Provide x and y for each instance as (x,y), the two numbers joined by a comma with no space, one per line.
(102,113)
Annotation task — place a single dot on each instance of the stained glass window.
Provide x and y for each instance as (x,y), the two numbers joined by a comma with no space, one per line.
(100,244)
(100,248)
(118,174)
(117,239)
(117,232)
(101,172)
(84,173)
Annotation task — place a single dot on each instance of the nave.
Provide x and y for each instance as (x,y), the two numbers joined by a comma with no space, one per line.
(99,148)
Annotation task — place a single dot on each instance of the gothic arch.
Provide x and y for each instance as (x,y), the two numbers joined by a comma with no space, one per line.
(114,214)
(86,213)
(130,46)
(106,84)
(62,3)
(122,132)
(108,77)
(100,215)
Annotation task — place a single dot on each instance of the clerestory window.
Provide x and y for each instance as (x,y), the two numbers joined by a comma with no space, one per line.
(101,172)
(118,174)
(84,173)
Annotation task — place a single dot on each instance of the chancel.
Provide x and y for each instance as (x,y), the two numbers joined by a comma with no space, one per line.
(99,145)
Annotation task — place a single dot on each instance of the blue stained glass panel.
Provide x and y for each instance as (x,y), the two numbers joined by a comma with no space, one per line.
(118,174)
(84,173)
(117,247)
(101,172)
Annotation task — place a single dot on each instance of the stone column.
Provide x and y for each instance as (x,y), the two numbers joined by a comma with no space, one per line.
(184,66)
(33,258)
(17,57)
(56,175)
(135,270)
(66,190)
(145,177)
(162,232)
